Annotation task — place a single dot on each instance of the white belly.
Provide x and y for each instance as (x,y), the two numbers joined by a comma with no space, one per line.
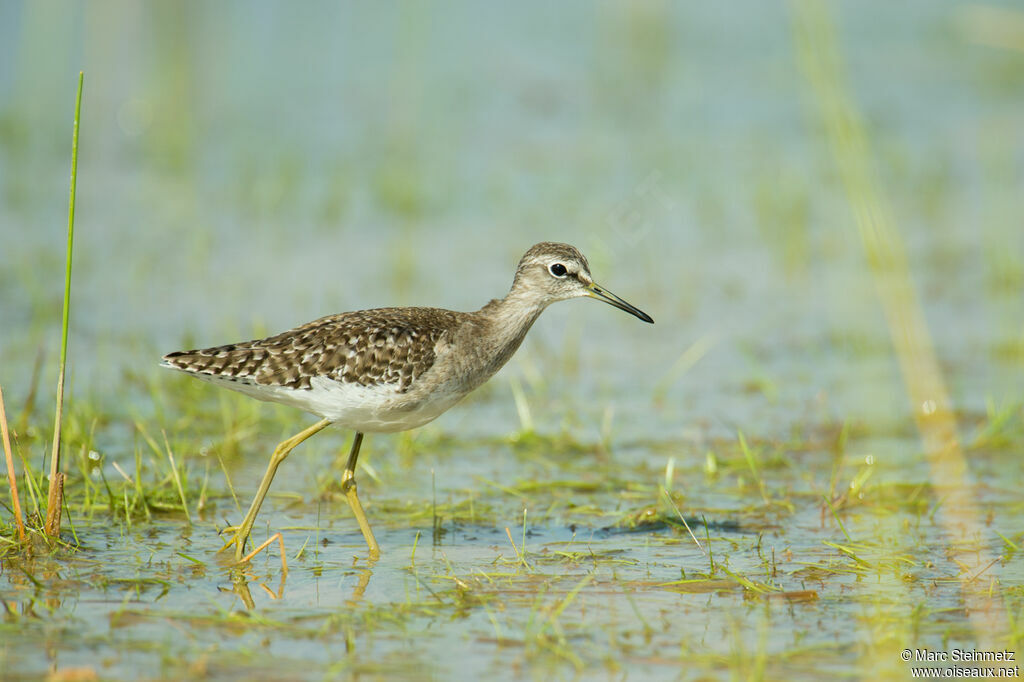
(367,409)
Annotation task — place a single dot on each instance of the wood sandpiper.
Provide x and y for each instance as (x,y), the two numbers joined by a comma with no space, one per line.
(389,369)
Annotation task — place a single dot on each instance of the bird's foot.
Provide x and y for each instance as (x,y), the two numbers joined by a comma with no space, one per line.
(237,539)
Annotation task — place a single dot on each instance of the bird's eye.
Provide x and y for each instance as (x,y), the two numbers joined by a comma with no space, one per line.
(558,270)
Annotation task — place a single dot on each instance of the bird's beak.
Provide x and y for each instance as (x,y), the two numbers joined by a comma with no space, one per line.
(602,294)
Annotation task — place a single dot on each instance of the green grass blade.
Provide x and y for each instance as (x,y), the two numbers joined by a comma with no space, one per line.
(53,504)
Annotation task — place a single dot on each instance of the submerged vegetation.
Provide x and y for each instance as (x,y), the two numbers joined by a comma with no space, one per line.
(809,491)
(597,565)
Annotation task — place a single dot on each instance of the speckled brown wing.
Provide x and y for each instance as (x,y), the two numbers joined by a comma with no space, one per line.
(393,346)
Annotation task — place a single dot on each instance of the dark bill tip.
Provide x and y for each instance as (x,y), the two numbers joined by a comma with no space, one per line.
(602,294)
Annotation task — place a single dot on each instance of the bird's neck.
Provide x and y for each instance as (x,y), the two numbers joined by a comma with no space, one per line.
(506,322)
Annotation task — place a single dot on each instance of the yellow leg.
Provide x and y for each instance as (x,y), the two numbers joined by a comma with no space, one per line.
(280,452)
(348,486)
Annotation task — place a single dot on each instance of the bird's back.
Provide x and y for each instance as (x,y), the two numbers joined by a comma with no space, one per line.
(348,367)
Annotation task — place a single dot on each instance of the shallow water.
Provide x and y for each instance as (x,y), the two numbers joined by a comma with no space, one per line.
(244,170)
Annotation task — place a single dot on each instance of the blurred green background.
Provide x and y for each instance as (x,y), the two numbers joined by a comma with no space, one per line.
(248,166)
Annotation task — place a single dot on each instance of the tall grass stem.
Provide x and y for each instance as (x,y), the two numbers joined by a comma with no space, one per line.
(54,501)
(12,480)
